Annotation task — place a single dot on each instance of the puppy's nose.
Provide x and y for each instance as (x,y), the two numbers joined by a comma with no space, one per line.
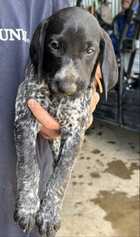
(67,87)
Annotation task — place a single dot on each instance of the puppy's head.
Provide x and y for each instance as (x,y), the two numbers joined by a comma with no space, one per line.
(66,48)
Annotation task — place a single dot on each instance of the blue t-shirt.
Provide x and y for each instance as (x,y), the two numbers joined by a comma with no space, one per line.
(18,20)
(119,24)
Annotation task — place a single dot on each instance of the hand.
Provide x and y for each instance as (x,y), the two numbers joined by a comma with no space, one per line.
(96,96)
(98,77)
(94,101)
(50,127)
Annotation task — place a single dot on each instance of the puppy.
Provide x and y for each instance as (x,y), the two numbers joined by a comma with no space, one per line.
(65,50)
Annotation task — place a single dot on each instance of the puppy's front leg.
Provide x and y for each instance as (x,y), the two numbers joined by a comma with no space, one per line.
(48,217)
(27,200)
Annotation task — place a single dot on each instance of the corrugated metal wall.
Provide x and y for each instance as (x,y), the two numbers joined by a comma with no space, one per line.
(114,4)
(85,3)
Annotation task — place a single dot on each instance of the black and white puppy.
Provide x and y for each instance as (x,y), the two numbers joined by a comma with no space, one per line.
(65,51)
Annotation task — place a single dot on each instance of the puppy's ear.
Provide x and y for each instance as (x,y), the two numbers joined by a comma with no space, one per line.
(37,47)
(109,67)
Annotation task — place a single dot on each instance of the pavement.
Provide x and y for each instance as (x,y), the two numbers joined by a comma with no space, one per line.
(102,199)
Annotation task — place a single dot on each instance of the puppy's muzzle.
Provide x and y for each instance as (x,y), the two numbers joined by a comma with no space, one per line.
(65,86)
(66,80)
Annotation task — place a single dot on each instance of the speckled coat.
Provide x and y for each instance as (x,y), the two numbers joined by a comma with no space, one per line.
(73,115)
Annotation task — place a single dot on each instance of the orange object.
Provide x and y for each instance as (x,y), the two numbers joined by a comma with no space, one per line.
(98,77)
(42,115)
(49,133)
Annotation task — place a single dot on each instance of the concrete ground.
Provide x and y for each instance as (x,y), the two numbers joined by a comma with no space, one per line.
(102,198)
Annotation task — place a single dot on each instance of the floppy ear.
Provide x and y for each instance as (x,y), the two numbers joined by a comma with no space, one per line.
(37,47)
(109,67)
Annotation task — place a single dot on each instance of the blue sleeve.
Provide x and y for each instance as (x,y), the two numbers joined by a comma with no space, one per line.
(115,36)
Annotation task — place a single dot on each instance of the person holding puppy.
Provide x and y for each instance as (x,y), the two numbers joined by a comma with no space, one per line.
(18,20)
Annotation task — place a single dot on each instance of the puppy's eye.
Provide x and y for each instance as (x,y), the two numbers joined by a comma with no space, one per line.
(55,45)
(90,50)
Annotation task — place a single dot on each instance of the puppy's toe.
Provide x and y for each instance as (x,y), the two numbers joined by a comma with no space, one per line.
(26,220)
(47,230)
(47,225)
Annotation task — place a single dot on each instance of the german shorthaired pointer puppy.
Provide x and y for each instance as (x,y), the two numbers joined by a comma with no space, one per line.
(65,51)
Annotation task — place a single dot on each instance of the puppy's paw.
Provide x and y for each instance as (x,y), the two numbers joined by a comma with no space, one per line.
(25,218)
(48,222)
(25,212)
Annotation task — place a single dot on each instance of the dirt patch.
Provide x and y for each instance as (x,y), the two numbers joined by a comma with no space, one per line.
(94,175)
(90,184)
(121,211)
(118,168)
(78,203)
(96,151)
(80,176)
(111,142)
(82,158)
(74,183)
(100,133)
(88,158)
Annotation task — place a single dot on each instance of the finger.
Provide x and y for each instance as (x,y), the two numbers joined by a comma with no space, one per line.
(49,133)
(98,77)
(98,72)
(94,101)
(42,115)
